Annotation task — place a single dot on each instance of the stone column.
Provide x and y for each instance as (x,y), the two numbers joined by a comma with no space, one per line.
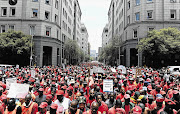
(127,56)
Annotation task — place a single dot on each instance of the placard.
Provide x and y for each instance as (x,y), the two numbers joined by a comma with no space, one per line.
(33,73)
(18,90)
(9,81)
(113,69)
(107,85)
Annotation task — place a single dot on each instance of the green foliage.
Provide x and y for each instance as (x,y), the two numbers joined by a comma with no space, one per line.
(73,53)
(159,45)
(13,46)
(110,52)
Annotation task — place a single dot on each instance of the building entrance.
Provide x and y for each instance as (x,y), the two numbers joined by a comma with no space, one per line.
(47,55)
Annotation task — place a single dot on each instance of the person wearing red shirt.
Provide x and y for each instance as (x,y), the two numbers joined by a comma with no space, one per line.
(43,107)
(131,84)
(94,109)
(29,106)
(150,100)
(125,86)
(90,98)
(117,108)
(167,86)
(103,108)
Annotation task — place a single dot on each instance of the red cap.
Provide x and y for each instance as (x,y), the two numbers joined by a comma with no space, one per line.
(62,82)
(149,87)
(148,80)
(54,83)
(60,92)
(64,87)
(137,110)
(76,86)
(175,92)
(130,88)
(43,105)
(170,102)
(126,96)
(49,96)
(1,89)
(4,97)
(159,99)
(54,106)
(163,92)
(70,88)
(41,89)
(119,110)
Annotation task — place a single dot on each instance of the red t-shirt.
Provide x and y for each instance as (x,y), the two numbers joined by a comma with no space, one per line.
(103,108)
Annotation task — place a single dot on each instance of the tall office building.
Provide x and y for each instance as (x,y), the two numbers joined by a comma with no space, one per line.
(130,20)
(84,39)
(51,22)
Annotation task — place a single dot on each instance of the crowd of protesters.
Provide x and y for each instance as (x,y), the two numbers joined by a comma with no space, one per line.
(73,90)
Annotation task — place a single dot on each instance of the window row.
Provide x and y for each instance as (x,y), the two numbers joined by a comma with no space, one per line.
(3,28)
(48,2)
(173,15)
(137,3)
(4,11)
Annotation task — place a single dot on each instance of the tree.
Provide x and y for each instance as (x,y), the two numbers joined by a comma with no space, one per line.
(161,48)
(109,53)
(15,48)
(73,53)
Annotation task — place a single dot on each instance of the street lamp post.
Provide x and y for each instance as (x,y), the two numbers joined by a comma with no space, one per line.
(138,53)
(31,52)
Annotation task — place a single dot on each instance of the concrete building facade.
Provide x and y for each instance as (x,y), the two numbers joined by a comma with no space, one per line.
(50,22)
(105,39)
(84,39)
(130,20)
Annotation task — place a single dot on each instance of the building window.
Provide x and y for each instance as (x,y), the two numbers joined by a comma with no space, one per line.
(149,14)
(173,14)
(137,16)
(13,11)
(172,1)
(56,4)
(129,5)
(150,29)
(46,15)
(48,31)
(135,33)
(11,27)
(32,30)
(56,18)
(47,1)
(3,28)
(3,11)
(137,2)
(35,0)
(35,12)
(128,19)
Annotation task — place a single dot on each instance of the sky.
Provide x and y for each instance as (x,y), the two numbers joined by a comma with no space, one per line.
(95,17)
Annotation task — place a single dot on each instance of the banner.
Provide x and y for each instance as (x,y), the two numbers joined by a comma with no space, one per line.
(107,85)
(9,81)
(33,73)
(113,69)
(18,90)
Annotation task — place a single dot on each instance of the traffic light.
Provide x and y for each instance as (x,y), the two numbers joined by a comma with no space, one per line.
(12,2)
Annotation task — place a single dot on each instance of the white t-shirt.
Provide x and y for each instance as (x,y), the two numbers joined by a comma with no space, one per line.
(62,107)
